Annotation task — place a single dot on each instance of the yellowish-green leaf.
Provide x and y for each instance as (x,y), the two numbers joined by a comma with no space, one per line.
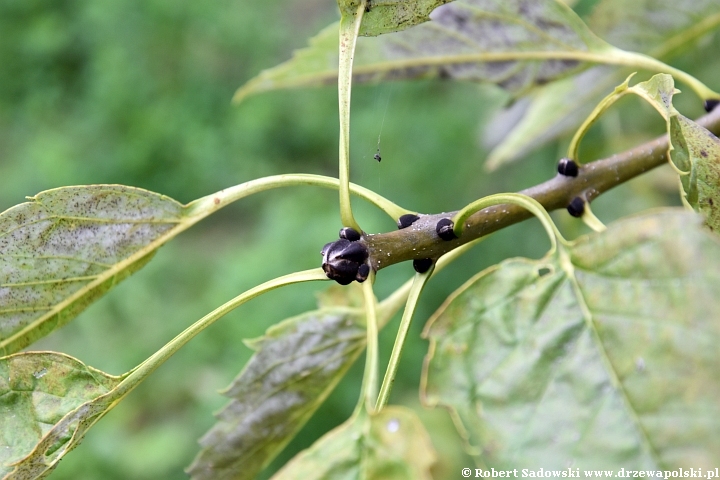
(47,401)
(696,146)
(661,28)
(603,356)
(386,16)
(68,246)
(295,367)
(516,44)
(390,445)
(694,151)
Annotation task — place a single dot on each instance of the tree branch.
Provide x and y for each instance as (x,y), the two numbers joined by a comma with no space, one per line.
(420,240)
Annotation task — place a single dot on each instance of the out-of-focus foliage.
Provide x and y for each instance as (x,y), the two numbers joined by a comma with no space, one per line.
(139,93)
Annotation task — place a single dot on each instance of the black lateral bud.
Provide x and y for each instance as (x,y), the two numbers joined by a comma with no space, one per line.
(349,234)
(710,104)
(567,167)
(576,207)
(406,220)
(362,273)
(422,265)
(444,229)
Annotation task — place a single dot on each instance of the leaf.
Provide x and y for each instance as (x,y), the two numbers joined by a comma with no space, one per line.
(516,44)
(47,401)
(694,151)
(606,356)
(695,146)
(391,444)
(386,16)
(296,365)
(661,28)
(67,247)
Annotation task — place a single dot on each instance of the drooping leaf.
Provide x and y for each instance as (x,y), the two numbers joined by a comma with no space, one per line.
(47,401)
(386,16)
(696,146)
(694,150)
(662,29)
(602,357)
(516,44)
(391,445)
(296,365)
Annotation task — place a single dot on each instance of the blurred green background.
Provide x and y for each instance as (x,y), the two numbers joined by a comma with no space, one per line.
(138,93)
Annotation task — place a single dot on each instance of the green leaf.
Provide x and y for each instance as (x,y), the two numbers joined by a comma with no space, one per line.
(47,401)
(694,151)
(662,29)
(67,247)
(386,16)
(696,147)
(605,355)
(515,44)
(390,445)
(296,365)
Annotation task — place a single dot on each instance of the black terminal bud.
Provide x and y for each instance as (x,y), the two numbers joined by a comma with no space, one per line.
(710,104)
(422,265)
(407,220)
(576,207)
(349,234)
(444,229)
(567,167)
(345,261)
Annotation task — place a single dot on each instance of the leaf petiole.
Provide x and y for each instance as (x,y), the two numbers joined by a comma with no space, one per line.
(349,29)
(142,371)
(524,201)
(418,283)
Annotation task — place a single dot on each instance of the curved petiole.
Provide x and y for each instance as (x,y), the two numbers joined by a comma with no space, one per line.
(418,283)
(619,92)
(519,199)
(209,204)
(142,371)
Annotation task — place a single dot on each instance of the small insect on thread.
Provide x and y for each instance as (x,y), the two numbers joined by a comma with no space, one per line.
(377,157)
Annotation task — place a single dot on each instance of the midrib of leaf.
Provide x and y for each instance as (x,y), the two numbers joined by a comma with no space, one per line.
(47,282)
(569,269)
